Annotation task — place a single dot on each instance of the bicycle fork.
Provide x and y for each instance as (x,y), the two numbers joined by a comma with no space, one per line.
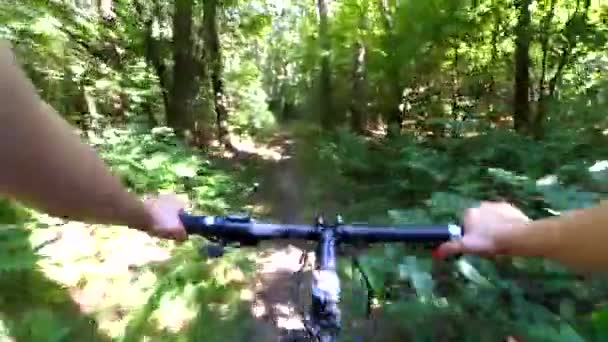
(325,313)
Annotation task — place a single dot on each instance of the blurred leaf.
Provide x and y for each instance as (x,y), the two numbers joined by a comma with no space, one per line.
(471,273)
(412,216)
(600,321)
(185,170)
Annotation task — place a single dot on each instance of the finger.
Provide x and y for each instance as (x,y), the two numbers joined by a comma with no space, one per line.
(181,235)
(165,234)
(448,249)
(168,234)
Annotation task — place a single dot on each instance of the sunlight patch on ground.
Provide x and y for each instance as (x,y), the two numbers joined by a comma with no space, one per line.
(174,313)
(273,293)
(287,259)
(264,151)
(97,263)
(289,319)
(106,251)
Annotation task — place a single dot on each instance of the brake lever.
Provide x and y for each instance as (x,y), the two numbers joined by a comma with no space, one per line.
(218,249)
(213,250)
(218,246)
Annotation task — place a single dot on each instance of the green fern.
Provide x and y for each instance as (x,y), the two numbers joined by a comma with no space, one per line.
(15,251)
(42,325)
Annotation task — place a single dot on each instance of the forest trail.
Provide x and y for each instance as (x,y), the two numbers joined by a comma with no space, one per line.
(282,192)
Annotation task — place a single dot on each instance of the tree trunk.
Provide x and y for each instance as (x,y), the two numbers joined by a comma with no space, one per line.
(455,85)
(183,89)
(394,116)
(521,105)
(541,109)
(215,66)
(359,101)
(496,15)
(325,100)
(154,57)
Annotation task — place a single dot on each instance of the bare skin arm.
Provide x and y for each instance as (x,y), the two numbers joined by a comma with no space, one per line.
(44,164)
(577,239)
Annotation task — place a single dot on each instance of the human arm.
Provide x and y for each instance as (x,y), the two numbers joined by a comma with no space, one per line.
(44,164)
(576,239)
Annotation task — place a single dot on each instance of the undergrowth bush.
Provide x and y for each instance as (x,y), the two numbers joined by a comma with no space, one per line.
(157,161)
(423,181)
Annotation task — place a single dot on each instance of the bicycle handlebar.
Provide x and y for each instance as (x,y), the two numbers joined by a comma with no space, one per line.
(247,231)
(325,320)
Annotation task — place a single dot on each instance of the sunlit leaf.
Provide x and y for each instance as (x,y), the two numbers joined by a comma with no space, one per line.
(471,273)
(156,160)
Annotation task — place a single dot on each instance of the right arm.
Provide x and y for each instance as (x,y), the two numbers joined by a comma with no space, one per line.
(577,239)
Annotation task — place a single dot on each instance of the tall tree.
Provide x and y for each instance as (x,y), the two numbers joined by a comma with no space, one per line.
(358,101)
(521,101)
(154,51)
(325,87)
(215,66)
(394,116)
(184,85)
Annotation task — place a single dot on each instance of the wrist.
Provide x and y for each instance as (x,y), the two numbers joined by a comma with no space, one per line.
(135,214)
(532,239)
(142,220)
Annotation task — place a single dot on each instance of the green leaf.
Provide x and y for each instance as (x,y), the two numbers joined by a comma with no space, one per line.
(471,273)
(421,279)
(568,198)
(156,160)
(411,216)
(185,169)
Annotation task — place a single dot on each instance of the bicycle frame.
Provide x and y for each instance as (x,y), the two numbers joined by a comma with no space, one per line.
(324,324)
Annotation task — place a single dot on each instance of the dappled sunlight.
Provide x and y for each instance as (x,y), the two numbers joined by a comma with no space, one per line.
(97,264)
(288,318)
(174,313)
(243,147)
(275,285)
(266,152)
(387,112)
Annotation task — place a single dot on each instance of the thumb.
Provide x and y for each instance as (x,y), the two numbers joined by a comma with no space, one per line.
(448,249)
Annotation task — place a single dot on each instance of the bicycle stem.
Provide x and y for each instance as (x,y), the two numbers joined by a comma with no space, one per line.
(325,311)
(326,250)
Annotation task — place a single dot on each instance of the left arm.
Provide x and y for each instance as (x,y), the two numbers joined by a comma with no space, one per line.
(43,163)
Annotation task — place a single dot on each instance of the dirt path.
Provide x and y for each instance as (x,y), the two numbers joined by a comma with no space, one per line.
(282,190)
